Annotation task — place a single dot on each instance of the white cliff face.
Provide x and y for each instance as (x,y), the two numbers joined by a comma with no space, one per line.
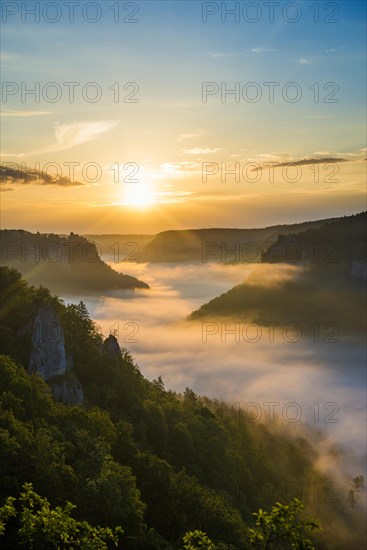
(48,356)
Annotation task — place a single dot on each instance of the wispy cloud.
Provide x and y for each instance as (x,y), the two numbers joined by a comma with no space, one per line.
(353,154)
(304,61)
(177,169)
(5,154)
(9,175)
(201,151)
(307,161)
(275,157)
(71,135)
(334,50)
(260,49)
(195,134)
(16,113)
(219,55)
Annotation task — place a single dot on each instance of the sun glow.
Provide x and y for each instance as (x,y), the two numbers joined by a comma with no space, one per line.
(138,195)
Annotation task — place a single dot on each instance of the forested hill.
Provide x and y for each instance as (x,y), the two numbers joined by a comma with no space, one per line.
(66,265)
(136,455)
(118,248)
(334,245)
(219,244)
(322,263)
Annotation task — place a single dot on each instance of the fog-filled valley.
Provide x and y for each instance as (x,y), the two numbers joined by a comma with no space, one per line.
(234,359)
(226,386)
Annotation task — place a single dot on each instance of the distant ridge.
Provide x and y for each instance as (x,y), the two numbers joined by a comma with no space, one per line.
(64,264)
(208,244)
(326,284)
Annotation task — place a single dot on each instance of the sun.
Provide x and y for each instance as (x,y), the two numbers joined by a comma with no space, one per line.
(138,195)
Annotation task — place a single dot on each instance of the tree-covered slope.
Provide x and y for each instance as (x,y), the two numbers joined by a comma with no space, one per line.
(331,248)
(66,265)
(309,278)
(217,244)
(135,455)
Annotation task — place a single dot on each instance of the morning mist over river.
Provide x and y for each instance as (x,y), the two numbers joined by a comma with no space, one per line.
(264,371)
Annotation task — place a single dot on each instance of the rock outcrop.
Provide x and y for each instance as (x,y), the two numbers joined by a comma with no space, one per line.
(67,389)
(111,346)
(48,357)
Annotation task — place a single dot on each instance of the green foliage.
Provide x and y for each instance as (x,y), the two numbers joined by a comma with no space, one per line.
(192,245)
(64,451)
(280,528)
(39,526)
(308,296)
(330,248)
(61,263)
(199,506)
(135,455)
(307,299)
(197,540)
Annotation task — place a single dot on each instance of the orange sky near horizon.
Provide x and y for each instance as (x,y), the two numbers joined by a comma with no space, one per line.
(174,118)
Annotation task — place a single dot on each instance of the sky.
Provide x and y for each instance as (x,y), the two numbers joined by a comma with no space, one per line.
(156,115)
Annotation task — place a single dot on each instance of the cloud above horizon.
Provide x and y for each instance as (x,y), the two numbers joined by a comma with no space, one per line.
(77,133)
(202,151)
(197,133)
(260,49)
(17,113)
(305,162)
(9,175)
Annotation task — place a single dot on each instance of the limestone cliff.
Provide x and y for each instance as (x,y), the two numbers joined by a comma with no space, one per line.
(48,357)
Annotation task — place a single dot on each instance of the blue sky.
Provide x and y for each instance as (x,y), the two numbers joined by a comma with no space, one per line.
(170,132)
